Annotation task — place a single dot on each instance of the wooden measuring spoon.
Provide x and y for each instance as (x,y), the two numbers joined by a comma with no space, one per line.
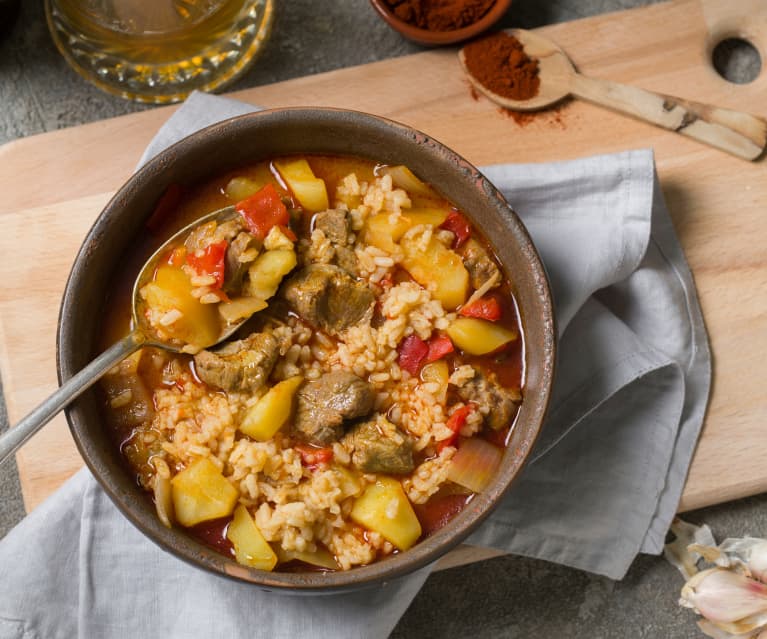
(735,132)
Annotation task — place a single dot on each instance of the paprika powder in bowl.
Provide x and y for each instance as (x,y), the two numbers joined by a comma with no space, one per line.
(434,23)
(495,340)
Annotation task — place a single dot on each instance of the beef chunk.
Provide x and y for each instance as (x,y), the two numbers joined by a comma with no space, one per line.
(480,265)
(378,446)
(236,267)
(346,258)
(485,390)
(243,365)
(334,224)
(324,405)
(328,297)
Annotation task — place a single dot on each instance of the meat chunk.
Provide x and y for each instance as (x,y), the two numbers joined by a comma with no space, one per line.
(243,365)
(485,390)
(480,265)
(329,298)
(241,253)
(346,258)
(323,406)
(378,446)
(334,224)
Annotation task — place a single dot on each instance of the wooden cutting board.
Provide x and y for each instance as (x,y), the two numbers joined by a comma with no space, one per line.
(52,186)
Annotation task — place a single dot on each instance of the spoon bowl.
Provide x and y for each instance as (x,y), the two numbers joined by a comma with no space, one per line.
(141,335)
(554,72)
(740,134)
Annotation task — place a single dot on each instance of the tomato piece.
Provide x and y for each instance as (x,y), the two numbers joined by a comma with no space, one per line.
(412,352)
(263,210)
(459,226)
(438,511)
(213,533)
(311,456)
(210,262)
(487,308)
(439,346)
(455,423)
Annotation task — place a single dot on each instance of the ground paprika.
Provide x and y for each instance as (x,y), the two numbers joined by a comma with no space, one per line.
(440,15)
(499,63)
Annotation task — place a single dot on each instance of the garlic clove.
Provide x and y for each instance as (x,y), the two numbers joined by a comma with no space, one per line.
(725,597)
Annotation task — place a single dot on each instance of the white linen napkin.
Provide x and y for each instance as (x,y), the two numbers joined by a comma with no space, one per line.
(604,482)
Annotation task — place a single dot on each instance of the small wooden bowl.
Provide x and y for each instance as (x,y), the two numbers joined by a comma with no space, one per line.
(440,38)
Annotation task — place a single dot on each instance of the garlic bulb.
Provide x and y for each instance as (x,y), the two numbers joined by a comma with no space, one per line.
(731,596)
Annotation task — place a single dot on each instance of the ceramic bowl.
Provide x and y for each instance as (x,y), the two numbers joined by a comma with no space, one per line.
(439,38)
(253,137)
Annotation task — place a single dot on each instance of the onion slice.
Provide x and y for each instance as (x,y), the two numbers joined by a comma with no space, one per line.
(475,464)
(404,178)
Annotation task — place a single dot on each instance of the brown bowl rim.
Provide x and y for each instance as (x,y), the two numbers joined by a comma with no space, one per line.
(436,38)
(70,360)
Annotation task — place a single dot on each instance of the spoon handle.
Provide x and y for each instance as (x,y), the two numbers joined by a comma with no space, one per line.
(735,132)
(71,389)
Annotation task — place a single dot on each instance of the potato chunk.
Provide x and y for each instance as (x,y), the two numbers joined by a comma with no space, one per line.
(309,190)
(384,229)
(434,217)
(437,268)
(201,492)
(320,557)
(478,336)
(250,547)
(266,273)
(171,290)
(270,413)
(240,308)
(438,373)
(385,509)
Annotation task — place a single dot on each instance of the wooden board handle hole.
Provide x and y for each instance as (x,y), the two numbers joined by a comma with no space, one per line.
(736,60)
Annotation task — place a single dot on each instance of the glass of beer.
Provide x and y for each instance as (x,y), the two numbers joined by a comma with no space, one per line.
(159,51)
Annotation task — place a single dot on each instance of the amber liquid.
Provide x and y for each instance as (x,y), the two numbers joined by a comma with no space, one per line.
(151,31)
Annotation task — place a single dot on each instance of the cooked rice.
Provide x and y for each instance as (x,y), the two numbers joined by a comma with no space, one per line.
(295,506)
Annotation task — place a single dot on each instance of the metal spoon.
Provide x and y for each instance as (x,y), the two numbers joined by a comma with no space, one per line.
(735,132)
(141,335)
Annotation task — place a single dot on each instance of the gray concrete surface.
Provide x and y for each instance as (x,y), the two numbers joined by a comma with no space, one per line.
(504,597)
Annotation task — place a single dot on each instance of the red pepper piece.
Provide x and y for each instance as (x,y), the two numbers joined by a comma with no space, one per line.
(262,211)
(487,308)
(455,423)
(211,262)
(459,226)
(412,351)
(311,456)
(439,346)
